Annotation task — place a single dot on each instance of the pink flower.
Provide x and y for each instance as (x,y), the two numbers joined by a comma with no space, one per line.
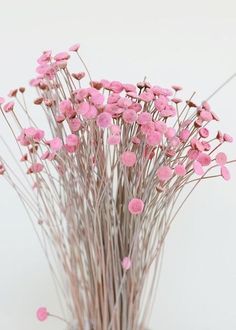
(56,144)
(115,129)
(97,98)
(75,124)
(192,154)
(170,132)
(204,159)
(174,142)
(78,75)
(129,116)
(124,102)
(177,88)
(227,138)
(148,128)
(74,48)
(60,118)
(45,57)
(116,86)
(176,100)
(147,96)
(83,108)
(206,115)
(184,135)
(154,138)
(66,108)
(91,113)
(144,118)
(129,87)
(164,173)
(61,56)
(136,206)
(180,170)
(204,132)
(160,126)
(221,158)
(72,140)
(36,168)
(38,135)
(104,120)
(42,314)
(225,173)
(197,167)
(113,139)
(126,263)
(128,158)
(8,106)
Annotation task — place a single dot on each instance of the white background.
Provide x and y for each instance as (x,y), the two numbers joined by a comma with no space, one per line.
(191,43)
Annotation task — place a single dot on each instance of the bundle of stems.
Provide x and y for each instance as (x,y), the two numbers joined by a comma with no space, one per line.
(102,178)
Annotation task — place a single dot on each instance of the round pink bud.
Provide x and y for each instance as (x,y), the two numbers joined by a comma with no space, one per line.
(136,206)
(177,88)
(75,124)
(225,173)
(74,48)
(116,86)
(63,56)
(83,108)
(184,134)
(206,115)
(115,129)
(154,138)
(104,120)
(42,314)
(60,119)
(36,168)
(148,128)
(204,159)
(227,138)
(72,140)
(126,263)
(56,144)
(204,132)
(128,158)
(164,173)
(192,154)
(66,108)
(113,139)
(160,126)
(170,133)
(221,158)
(8,106)
(129,116)
(91,113)
(144,118)
(197,167)
(180,170)
(176,100)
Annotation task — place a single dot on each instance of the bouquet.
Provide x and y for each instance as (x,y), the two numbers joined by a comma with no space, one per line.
(102,177)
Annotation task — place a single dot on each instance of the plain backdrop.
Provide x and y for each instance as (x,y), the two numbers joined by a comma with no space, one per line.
(191,43)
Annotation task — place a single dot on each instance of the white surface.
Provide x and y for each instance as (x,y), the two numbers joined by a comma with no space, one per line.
(191,43)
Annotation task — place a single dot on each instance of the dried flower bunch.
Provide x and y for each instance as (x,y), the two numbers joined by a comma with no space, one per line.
(110,168)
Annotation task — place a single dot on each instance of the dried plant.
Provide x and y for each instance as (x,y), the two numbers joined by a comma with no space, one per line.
(103,177)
